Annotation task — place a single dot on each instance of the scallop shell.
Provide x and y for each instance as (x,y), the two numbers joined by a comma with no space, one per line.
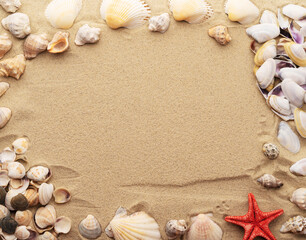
(268,17)
(4,86)
(62,225)
(191,11)
(13,67)
(5,114)
(10,6)
(45,193)
(299,168)
(90,227)
(125,13)
(242,11)
(293,92)
(280,105)
(266,51)
(265,74)
(299,198)
(59,42)
(62,13)
(39,173)
(87,34)
(282,20)
(10,194)
(5,44)
(295,12)
(47,236)
(22,233)
(296,53)
(7,155)
(287,138)
(4,178)
(263,32)
(203,228)
(175,228)
(159,23)
(18,24)
(19,202)
(8,225)
(23,217)
(297,75)
(300,121)
(296,224)
(220,33)
(35,44)
(45,217)
(32,195)
(16,170)
(269,181)
(61,195)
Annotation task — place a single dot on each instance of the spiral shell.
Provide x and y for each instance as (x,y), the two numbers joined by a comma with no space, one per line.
(175,228)
(35,44)
(159,23)
(59,42)
(220,33)
(13,67)
(269,181)
(296,224)
(18,24)
(87,34)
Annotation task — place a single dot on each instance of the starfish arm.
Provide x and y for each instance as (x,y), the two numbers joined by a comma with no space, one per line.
(263,216)
(259,233)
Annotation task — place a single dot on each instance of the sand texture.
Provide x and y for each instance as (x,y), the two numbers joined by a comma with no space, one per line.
(172,124)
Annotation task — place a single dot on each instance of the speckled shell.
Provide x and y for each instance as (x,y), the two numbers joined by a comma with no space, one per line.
(35,44)
(45,193)
(269,181)
(5,115)
(5,44)
(296,224)
(59,42)
(16,170)
(18,24)
(13,67)
(23,217)
(220,33)
(87,34)
(90,227)
(45,217)
(299,198)
(39,173)
(175,228)
(10,6)
(159,23)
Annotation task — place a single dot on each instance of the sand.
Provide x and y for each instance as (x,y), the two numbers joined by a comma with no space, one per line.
(171,124)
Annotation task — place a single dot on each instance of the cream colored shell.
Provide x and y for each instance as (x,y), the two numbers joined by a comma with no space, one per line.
(18,24)
(10,6)
(159,23)
(13,67)
(87,34)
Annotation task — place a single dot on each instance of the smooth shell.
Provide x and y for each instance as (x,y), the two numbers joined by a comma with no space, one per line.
(299,198)
(87,34)
(299,168)
(159,23)
(295,12)
(266,51)
(62,225)
(61,195)
(293,92)
(296,52)
(13,67)
(59,42)
(5,44)
(175,228)
(300,121)
(263,32)
(18,24)
(287,138)
(45,192)
(90,227)
(265,74)
(4,212)
(7,155)
(15,170)
(8,225)
(47,236)
(35,44)
(268,17)
(9,195)
(5,114)
(45,216)
(38,173)
(220,34)
(297,75)
(19,202)
(242,11)
(280,105)
(4,86)
(269,181)
(23,217)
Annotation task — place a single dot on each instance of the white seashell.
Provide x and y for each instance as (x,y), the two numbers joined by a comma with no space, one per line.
(4,178)
(300,121)
(10,6)
(299,198)
(191,11)
(45,217)
(18,24)
(296,224)
(19,185)
(61,195)
(22,233)
(62,13)
(242,11)
(47,236)
(45,192)
(293,92)
(287,138)
(5,115)
(269,181)
(268,17)
(10,194)
(87,34)
(7,155)
(265,74)
(175,228)
(38,173)
(266,51)
(297,75)
(299,168)
(296,52)
(62,225)
(16,170)
(159,23)
(23,217)
(125,13)
(280,105)
(282,20)
(5,44)
(263,32)
(303,31)
(4,212)
(90,227)
(21,145)
(295,12)
(203,228)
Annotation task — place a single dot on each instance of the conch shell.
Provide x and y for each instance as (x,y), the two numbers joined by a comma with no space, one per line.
(59,42)
(13,67)
(10,6)
(296,224)
(220,33)
(175,228)
(87,34)
(299,198)
(35,44)
(159,23)
(5,116)
(90,227)
(5,44)
(269,181)
(242,11)
(18,24)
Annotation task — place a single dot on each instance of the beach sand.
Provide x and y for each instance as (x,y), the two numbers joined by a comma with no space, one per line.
(172,124)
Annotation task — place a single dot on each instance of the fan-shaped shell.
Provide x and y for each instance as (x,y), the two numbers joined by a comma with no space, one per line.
(287,138)
(8,225)
(35,44)
(45,192)
(300,121)
(61,195)
(32,195)
(4,212)
(5,44)
(220,34)
(175,228)
(13,67)
(299,198)
(299,168)
(23,217)
(5,113)
(62,225)
(296,53)
(10,6)
(59,42)
(266,51)
(45,216)
(269,181)
(90,227)
(19,202)
(18,24)
(16,170)
(159,23)
(265,74)
(39,173)
(263,32)
(293,92)
(22,233)
(295,12)
(242,11)
(87,34)
(296,224)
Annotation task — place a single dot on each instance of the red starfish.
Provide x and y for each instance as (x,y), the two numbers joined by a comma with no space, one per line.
(255,222)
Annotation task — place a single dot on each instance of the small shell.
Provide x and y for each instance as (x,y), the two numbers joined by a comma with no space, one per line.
(8,225)
(293,92)
(22,233)
(10,194)
(300,121)
(19,185)
(59,42)
(175,228)
(270,150)
(263,32)
(287,138)
(295,12)
(282,62)
(296,53)
(5,44)
(4,212)
(10,6)
(19,202)
(90,227)
(21,145)
(47,236)
(299,198)
(266,51)
(159,23)
(4,178)
(35,44)
(296,224)
(13,67)
(87,34)
(299,168)
(265,74)
(18,24)
(62,225)
(61,195)
(7,155)
(45,217)
(297,75)
(203,228)
(268,17)
(269,181)
(32,195)
(39,173)
(282,20)
(280,105)
(220,33)
(45,193)
(5,113)
(23,217)
(4,86)
(16,170)
(242,11)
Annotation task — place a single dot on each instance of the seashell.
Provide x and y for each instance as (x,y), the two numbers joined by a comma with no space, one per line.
(138,225)
(5,114)
(125,13)
(5,44)
(299,198)
(220,33)
(300,121)
(19,202)
(4,178)
(296,53)
(90,227)
(242,11)
(266,51)
(47,236)
(295,34)
(39,174)
(280,105)
(18,24)
(175,228)
(280,64)
(159,23)
(270,150)
(35,44)
(23,217)
(10,6)
(296,224)
(281,46)
(8,236)
(87,34)
(13,67)
(293,92)
(59,42)
(7,155)
(61,195)
(269,181)
(191,11)
(4,212)
(22,233)
(268,17)
(19,185)
(8,225)
(299,168)
(287,138)
(2,196)
(32,195)
(45,193)
(282,20)
(295,74)
(303,31)
(62,225)
(21,145)
(4,86)
(45,217)
(16,170)
(203,228)
(265,74)
(263,32)
(295,12)
(62,13)
(9,195)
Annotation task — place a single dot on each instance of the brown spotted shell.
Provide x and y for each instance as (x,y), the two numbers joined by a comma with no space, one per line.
(220,34)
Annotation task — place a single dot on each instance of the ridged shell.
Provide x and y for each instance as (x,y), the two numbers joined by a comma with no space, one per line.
(242,11)
(159,23)
(5,44)
(59,42)
(18,24)
(61,195)
(35,44)
(265,74)
(19,185)
(263,32)
(5,114)
(62,225)
(295,12)
(45,192)
(8,225)
(32,195)
(299,168)
(45,216)
(297,75)
(38,173)
(293,92)
(90,227)
(299,198)
(22,233)
(47,236)
(125,13)
(13,67)
(175,228)
(4,178)
(287,138)
(19,202)
(203,228)
(296,53)
(300,121)
(4,86)
(296,224)
(23,217)
(268,17)
(191,11)
(10,6)
(266,51)
(7,155)
(220,34)
(16,170)
(62,13)
(87,34)
(10,194)
(269,181)
(280,105)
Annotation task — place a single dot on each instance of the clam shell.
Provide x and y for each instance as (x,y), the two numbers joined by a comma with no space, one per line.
(90,227)
(175,228)
(10,6)
(32,195)
(16,170)
(191,11)
(269,181)
(62,225)
(266,51)
(293,92)
(242,11)
(5,44)
(10,194)
(203,228)
(7,155)
(296,53)
(47,236)
(61,195)
(8,225)
(35,44)
(282,20)
(4,86)
(18,24)
(159,23)
(299,168)
(282,63)
(23,217)
(87,34)
(295,34)
(22,233)
(263,32)
(4,212)
(268,17)
(4,178)
(287,138)
(19,202)
(297,75)
(296,224)
(220,33)
(62,13)
(39,173)
(59,42)
(125,13)
(265,74)
(21,145)
(19,185)
(45,193)
(281,46)
(295,12)
(5,113)
(300,121)
(299,198)
(45,217)
(13,67)
(280,105)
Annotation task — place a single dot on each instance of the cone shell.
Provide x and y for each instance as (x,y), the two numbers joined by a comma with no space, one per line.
(13,67)
(265,74)
(45,193)
(39,173)
(18,24)
(10,6)
(287,138)
(5,44)
(296,224)
(22,233)
(87,34)
(175,228)
(242,11)
(295,12)
(23,217)
(293,92)
(203,228)
(299,198)
(4,212)
(62,225)
(296,53)
(61,195)
(8,225)
(266,51)
(125,13)
(220,33)
(90,227)
(4,86)
(263,32)
(35,44)
(159,23)
(299,168)
(59,43)
(16,170)
(45,217)
(269,181)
